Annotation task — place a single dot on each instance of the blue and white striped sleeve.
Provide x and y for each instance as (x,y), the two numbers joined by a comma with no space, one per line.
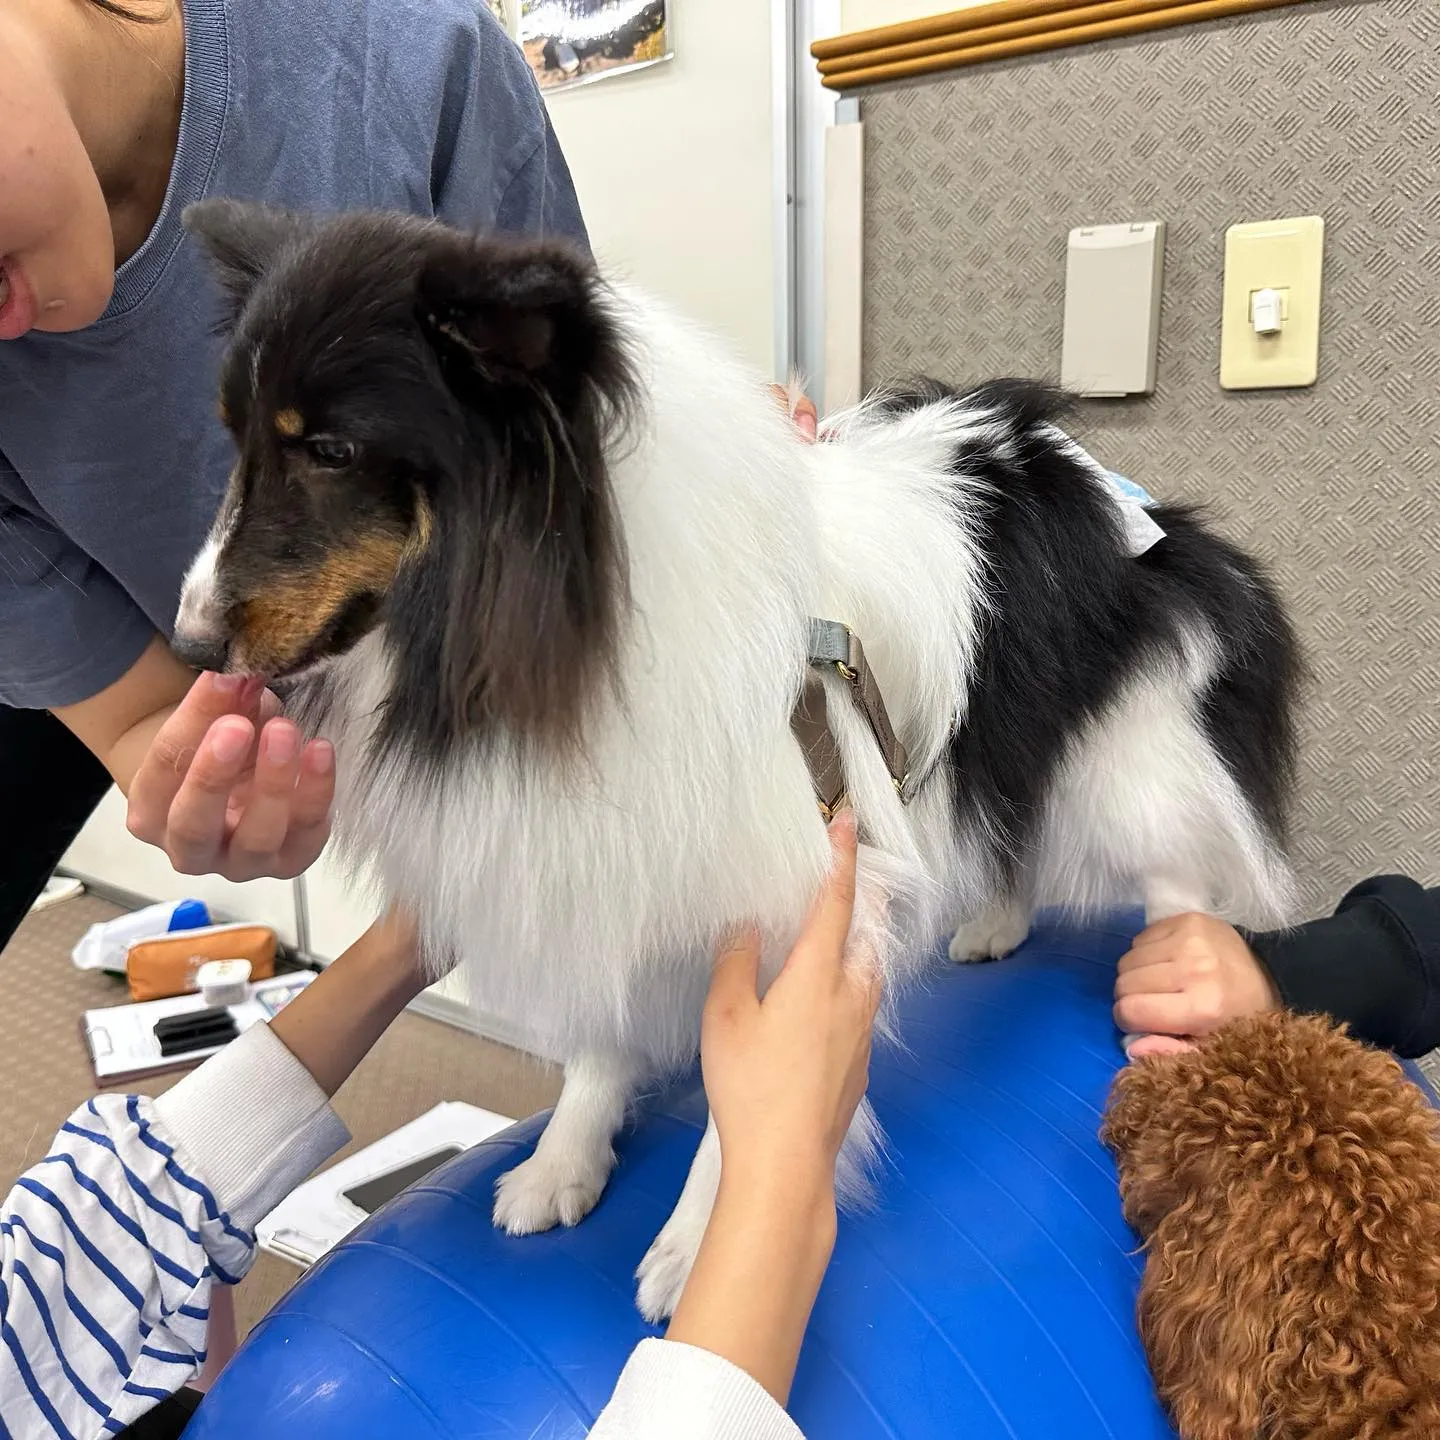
(110,1245)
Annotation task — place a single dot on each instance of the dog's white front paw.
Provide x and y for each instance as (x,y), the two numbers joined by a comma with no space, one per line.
(543,1192)
(991,937)
(666,1266)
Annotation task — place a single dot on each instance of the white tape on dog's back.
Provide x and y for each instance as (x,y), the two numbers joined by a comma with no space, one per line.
(1140,528)
(1132,502)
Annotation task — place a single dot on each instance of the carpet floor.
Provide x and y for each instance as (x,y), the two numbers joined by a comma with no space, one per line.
(45,1068)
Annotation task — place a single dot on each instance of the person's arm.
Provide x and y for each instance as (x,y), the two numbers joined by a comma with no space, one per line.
(110,1246)
(73,642)
(198,765)
(1374,964)
(784,1076)
(119,724)
(214,775)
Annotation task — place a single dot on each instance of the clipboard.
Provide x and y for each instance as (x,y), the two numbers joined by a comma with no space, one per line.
(120,1039)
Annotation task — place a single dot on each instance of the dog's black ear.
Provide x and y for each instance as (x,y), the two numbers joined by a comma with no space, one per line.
(511,617)
(515,312)
(243,239)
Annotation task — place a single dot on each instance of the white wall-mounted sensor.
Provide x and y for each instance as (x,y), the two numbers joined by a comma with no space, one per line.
(1112,308)
(1267,312)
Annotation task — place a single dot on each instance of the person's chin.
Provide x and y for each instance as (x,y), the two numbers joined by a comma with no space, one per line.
(62,310)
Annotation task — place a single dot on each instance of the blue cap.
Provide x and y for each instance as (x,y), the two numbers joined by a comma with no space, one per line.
(189,915)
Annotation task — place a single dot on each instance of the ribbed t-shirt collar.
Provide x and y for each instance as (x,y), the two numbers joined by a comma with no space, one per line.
(202,119)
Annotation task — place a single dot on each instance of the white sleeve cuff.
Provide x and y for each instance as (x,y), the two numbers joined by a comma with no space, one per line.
(670,1391)
(252,1122)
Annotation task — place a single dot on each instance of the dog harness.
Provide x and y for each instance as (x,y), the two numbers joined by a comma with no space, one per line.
(835,648)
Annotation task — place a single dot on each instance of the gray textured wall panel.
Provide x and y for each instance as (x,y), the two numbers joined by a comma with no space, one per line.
(972,183)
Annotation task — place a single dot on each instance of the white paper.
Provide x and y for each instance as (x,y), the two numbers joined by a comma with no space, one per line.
(314,1218)
(122,1037)
(57,888)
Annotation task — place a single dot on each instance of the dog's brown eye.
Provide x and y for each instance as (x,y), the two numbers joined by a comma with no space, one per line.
(332,454)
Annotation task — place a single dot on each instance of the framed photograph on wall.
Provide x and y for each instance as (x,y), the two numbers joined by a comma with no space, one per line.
(571,42)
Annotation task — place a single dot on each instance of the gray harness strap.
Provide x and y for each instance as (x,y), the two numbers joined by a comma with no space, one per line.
(833,646)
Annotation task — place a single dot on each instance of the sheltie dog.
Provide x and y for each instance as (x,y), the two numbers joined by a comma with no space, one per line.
(541,558)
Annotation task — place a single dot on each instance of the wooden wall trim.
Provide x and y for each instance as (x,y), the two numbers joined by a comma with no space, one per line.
(1001,30)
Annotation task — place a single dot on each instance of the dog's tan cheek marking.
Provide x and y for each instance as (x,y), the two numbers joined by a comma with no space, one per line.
(280,624)
(423,531)
(289,423)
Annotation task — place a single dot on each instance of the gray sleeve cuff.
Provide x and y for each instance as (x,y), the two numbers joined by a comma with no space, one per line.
(670,1391)
(252,1123)
(64,677)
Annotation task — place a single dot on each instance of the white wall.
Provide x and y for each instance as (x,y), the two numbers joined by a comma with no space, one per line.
(674,167)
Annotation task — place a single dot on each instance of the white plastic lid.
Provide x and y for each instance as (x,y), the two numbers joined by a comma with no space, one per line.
(223,982)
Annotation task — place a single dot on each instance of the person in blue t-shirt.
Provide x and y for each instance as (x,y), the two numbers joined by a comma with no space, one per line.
(114,116)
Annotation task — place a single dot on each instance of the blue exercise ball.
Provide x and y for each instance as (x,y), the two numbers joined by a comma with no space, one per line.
(990,1294)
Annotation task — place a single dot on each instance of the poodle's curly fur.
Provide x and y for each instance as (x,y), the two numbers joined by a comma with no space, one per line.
(1286,1181)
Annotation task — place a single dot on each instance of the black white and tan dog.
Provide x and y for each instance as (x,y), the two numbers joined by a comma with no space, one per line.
(542,558)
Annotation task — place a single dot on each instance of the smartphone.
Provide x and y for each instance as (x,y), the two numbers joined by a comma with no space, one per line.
(274,998)
(371,1194)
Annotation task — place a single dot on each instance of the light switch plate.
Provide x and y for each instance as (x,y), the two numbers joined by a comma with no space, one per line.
(1112,308)
(1283,255)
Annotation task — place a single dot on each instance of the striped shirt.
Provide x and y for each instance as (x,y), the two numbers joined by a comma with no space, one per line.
(110,1246)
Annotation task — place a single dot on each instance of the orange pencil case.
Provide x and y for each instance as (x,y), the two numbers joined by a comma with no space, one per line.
(166,965)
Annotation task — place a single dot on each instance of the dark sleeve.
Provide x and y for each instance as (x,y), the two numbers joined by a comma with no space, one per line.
(1374,964)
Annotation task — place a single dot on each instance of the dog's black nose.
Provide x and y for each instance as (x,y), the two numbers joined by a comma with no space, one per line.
(200,652)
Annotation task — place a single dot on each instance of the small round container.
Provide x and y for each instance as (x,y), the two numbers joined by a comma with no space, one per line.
(224,982)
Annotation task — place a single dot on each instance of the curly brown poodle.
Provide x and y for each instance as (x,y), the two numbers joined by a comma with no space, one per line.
(1286,1181)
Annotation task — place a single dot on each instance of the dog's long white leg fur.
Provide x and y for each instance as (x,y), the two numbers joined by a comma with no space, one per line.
(560,1183)
(666,1267)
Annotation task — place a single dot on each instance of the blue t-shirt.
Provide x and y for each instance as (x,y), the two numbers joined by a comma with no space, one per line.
(112,459)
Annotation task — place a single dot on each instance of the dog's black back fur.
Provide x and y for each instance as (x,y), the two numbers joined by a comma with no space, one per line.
(1075,616)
